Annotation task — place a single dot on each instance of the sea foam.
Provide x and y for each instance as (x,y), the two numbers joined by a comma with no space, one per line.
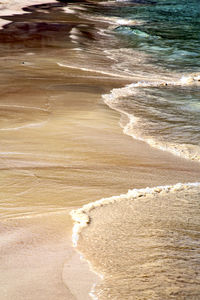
(187,151)
(81,215)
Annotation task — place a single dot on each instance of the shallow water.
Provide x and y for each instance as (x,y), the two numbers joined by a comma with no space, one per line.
(146,247)
(166,117)
(152,44)
(62,146)
(145,244)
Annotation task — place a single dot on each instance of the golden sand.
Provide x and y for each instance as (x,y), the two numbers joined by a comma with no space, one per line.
(61,147)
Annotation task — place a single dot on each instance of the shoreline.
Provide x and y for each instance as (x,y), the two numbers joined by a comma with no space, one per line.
(112,260)
(8,8)
(135,162)
(78,154)
(179,150)
(82,216)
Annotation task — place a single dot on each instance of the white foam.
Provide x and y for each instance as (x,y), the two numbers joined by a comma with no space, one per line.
(81,215)
(68,10)
(190,79)
(120,21)
(30,125)
(94,71)
(111,20)
(186,151)
(73,7)
(130,196)
(191,152)
(82,219)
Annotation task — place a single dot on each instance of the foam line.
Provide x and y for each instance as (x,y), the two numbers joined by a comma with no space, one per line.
(95,71)
(31,125)
(191,152)
(81,215)
(82,219)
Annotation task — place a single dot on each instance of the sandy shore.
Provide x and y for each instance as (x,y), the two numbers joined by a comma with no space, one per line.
(61,147)
(39,262)
(37,257)
(8,8)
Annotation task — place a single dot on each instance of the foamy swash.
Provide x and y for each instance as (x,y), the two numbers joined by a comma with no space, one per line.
(133,126)
(82,218)
(145,243)
(81,215)
(172,89)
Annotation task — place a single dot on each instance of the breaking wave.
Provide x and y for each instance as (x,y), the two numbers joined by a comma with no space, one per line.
(146,127)
(81,215)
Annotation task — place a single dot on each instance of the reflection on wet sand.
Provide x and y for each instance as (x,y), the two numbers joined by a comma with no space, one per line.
(61,147)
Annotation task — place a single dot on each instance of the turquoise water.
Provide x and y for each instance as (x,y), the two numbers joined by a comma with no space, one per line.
(171,32)
(167,33)
(148,247)
(54,154)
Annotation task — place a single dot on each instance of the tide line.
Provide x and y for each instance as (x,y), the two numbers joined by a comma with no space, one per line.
(94,71)
(190,152)
(81,215)
(31,125)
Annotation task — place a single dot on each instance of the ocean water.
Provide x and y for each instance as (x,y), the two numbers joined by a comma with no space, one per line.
(60,149)
(154,44)
(145,244)
(165,114)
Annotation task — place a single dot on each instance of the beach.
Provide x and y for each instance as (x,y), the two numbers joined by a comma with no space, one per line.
(62,147)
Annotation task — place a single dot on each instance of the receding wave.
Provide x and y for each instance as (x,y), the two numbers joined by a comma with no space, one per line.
(145,244)
(163,124)
(88,69)
(81,215)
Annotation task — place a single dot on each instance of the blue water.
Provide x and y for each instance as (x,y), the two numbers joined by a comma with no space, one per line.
(170,36)
(171,32)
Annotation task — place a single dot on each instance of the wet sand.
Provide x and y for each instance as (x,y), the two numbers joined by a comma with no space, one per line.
(77,156)
(145,244)
(61,147)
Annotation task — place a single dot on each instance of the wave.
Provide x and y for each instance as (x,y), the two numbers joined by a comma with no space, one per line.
(128,65)
(153,229)
(81,216)
(133,126)
(143,80)
(110,20)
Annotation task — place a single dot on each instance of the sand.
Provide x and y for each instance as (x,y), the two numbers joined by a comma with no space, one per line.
(86,157)
(61,147)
